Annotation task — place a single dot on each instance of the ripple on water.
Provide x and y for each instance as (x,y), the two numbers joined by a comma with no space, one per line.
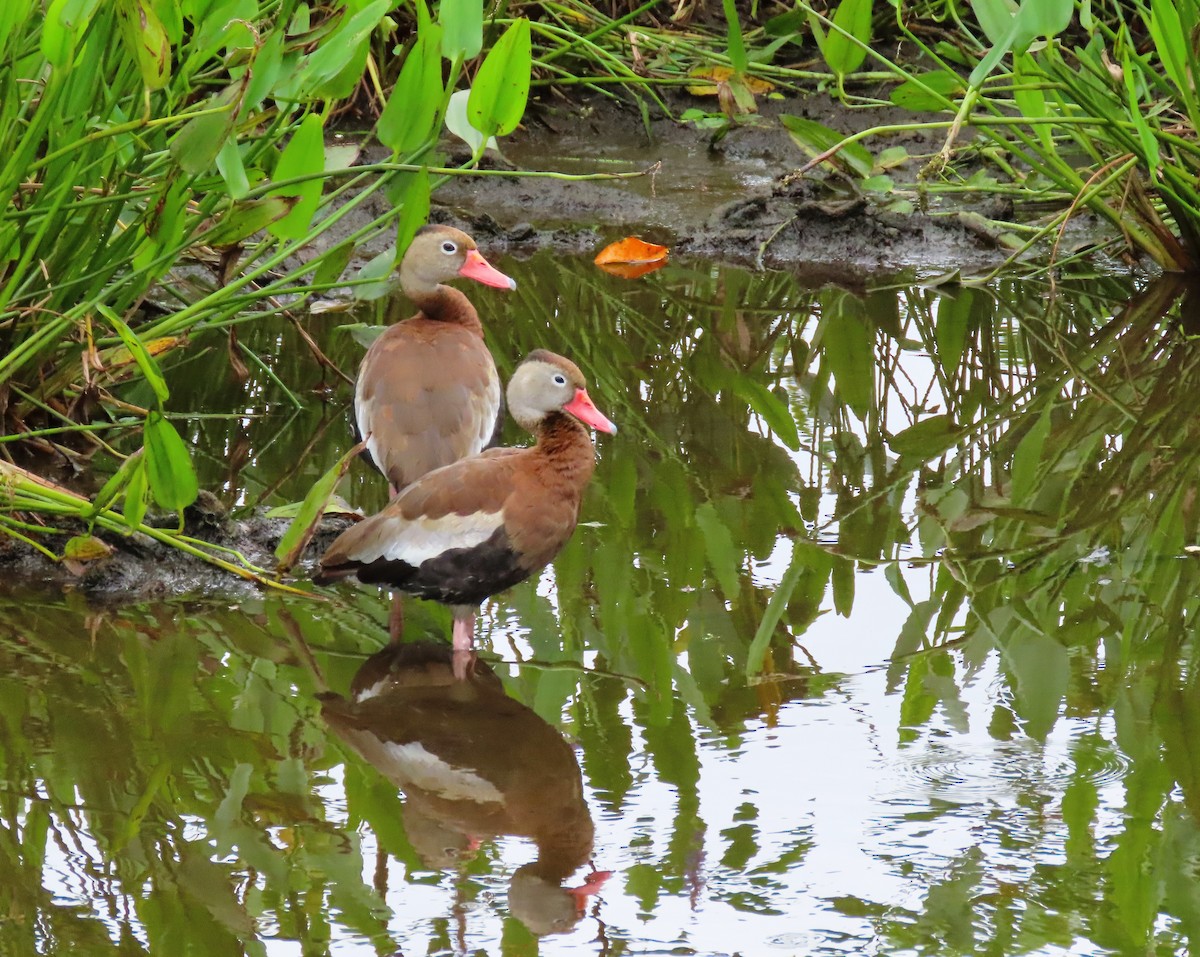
(995,772)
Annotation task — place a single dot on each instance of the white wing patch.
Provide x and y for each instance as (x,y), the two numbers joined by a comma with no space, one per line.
(421,539)
(430,773)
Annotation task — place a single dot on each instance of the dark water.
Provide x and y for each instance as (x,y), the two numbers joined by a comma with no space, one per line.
(878,638)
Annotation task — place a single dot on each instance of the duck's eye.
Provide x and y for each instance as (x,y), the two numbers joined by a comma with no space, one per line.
(560,379)
(449,248)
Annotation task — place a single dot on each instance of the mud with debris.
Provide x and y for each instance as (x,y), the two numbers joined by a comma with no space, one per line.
(732,198)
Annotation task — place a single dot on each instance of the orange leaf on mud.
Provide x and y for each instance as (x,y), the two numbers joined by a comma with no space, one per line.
(631,257)
(633,251)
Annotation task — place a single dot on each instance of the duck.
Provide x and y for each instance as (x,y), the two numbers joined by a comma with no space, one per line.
(427,392)
(468,530)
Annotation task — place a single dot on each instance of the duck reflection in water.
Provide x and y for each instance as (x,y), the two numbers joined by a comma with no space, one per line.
(473,764)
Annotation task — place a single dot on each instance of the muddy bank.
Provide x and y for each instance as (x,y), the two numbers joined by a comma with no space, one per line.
(142,568)
(733,199)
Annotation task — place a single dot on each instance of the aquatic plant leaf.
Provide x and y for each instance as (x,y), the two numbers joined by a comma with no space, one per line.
(928,92)
(723,557)
(86,548)
(232,169)
(65,21)
(631,251)
(462,28)
(994,17)
(416,196)
(115,482)
(458,124)
(333,264)
(244,219)
(327,73)
(407,120)
(291,545)
(141,355)
(303,156)
(501,87)
(146,39)
(1030,99)
(168,466)
(136,494)
(816,139)
(376,276)
(843,53)
(196,145)
(926,439)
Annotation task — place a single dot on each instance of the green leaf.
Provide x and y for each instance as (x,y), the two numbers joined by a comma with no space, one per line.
(141,355)
(298,533)
(407,121)
(147,40)
(842,53)
(64,23)
(246,218)
(232,170)
(303,156)
(723,557)
(459,124)
(86,548)
(928,92)
(333,264)
(995,17)
(116,481)
(168,465)
(816,139)
(926,439)
(325,72)
(377,276)
(1030,99)
(501,87)
(416,197)
(196,145)
(136,491)
(462,28)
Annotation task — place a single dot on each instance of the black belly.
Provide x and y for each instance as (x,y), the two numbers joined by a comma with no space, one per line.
(458,576)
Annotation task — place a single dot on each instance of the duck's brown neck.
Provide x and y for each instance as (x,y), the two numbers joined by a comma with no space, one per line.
(567,446)
(443,304)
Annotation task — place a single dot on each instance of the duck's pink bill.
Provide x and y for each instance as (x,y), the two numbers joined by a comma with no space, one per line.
(581,407)
(479,269)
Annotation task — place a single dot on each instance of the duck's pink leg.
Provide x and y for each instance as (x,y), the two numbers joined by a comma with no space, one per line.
(464,641)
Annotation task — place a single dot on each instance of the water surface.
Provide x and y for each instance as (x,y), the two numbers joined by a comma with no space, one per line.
(876,638)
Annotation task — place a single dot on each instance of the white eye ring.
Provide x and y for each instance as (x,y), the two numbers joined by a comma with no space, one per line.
(560,379)
(449,248)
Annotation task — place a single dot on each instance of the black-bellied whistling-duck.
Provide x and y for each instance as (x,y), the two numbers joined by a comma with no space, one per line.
(428,393)
(474,528)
